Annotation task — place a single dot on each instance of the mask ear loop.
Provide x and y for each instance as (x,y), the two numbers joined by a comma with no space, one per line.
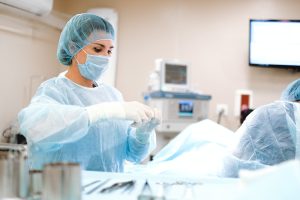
(76,55)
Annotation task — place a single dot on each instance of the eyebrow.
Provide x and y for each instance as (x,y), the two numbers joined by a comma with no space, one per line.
(103,45)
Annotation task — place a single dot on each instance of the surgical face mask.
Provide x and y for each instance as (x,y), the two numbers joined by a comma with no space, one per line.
(94,66)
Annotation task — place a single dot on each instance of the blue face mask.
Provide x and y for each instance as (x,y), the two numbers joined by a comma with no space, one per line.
(94,66)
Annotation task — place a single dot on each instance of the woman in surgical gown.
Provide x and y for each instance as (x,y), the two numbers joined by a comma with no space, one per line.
(77,118)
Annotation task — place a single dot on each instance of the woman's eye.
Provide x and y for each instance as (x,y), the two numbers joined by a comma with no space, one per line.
(97,50)
(109,52)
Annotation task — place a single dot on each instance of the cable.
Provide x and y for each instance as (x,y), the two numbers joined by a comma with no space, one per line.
(220,114)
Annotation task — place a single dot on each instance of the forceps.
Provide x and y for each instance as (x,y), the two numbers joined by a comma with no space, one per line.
(118,185)
(89,184)
(97,187)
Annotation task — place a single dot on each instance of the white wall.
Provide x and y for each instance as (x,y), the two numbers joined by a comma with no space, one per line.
(28,56)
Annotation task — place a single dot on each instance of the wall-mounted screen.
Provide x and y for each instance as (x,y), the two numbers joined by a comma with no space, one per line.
(274,43)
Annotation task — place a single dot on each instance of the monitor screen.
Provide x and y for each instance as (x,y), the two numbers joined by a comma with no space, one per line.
(185,108)
(274,43)
(175,74)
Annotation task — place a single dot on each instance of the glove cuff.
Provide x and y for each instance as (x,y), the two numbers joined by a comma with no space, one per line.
(103,111)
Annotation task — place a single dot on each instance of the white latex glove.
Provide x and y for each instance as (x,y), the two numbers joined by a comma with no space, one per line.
(144,130)
(138,112)
(134,111)
(157,118)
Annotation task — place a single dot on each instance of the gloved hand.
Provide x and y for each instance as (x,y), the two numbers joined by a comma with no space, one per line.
(156,118)
(144,130)
(134,111)
(138,112)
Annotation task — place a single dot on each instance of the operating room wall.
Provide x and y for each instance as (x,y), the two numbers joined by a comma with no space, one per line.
(212,35)
(28,51)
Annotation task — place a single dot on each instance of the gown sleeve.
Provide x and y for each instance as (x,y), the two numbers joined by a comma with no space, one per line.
(48,120)
(136,151)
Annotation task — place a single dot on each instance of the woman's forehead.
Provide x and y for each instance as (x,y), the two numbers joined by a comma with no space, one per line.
(104,42)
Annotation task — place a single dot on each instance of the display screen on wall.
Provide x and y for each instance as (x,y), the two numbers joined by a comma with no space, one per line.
(274,43)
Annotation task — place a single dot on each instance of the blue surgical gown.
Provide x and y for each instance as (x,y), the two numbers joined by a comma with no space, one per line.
(56,126)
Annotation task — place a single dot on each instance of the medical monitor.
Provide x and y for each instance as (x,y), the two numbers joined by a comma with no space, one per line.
(173,75)
(274,43)
(185,108)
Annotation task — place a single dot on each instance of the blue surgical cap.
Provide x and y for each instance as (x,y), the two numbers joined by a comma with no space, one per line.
(292,92)
(81,30)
